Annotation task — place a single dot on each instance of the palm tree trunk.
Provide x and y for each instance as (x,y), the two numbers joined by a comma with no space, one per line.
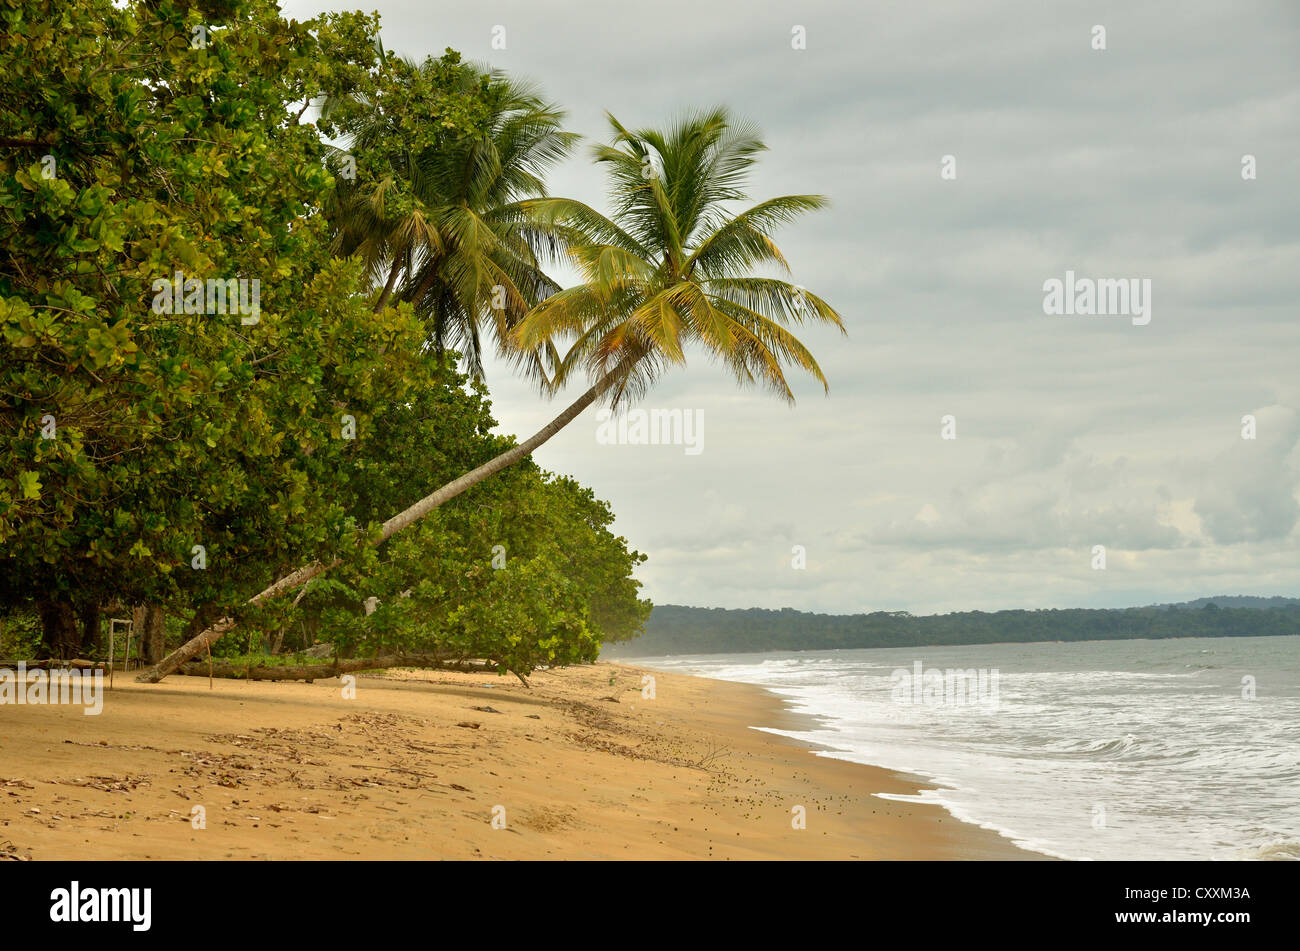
(430,273)
(414,513)
(388,286)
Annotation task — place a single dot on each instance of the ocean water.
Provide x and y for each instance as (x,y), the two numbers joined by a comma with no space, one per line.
(1084,750)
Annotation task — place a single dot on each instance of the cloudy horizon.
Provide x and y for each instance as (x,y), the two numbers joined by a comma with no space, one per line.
(1071,431)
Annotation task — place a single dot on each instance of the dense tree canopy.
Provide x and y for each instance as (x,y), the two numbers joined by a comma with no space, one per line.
(522,572)
(200,387)
(145,142)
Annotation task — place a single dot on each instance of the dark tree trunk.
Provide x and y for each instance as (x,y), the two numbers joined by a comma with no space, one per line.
(60,636)
(147,626)
(91,636)
(138,615)
(152,637)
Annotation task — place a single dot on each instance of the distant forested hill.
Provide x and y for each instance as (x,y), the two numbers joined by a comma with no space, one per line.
(673,629)
(1238,601)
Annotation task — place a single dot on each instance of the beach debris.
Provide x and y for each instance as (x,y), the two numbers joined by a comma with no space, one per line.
(469,724)
(715,753)
(108,783)
(9,852)
(485,710)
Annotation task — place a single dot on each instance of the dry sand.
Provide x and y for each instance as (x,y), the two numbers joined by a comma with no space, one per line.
(582,765)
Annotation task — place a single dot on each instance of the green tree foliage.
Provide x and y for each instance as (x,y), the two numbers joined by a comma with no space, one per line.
(150,138)
(145,139)
(140,141)
(522,572)
(441,219)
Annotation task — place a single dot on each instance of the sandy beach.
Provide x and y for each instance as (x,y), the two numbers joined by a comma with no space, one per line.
(421,763)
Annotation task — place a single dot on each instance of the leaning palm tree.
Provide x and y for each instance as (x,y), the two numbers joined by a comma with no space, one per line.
(673,267)
(446,227)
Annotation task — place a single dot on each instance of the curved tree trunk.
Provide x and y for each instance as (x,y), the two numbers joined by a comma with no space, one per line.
(388,286)
(401,520)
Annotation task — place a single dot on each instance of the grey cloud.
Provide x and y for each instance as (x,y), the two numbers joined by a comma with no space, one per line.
(1249,492)
(1072,431)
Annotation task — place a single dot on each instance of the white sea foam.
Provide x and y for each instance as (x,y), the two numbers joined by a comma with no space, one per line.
(1096,750)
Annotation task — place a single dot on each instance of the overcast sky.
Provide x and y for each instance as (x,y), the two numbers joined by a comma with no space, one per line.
(1072,431)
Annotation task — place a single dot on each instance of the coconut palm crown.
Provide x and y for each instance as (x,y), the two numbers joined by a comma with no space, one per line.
(674,266)
(445,229)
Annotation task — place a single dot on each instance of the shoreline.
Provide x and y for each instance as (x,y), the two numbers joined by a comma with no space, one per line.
(903,786)
(431,764)
(793,721)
